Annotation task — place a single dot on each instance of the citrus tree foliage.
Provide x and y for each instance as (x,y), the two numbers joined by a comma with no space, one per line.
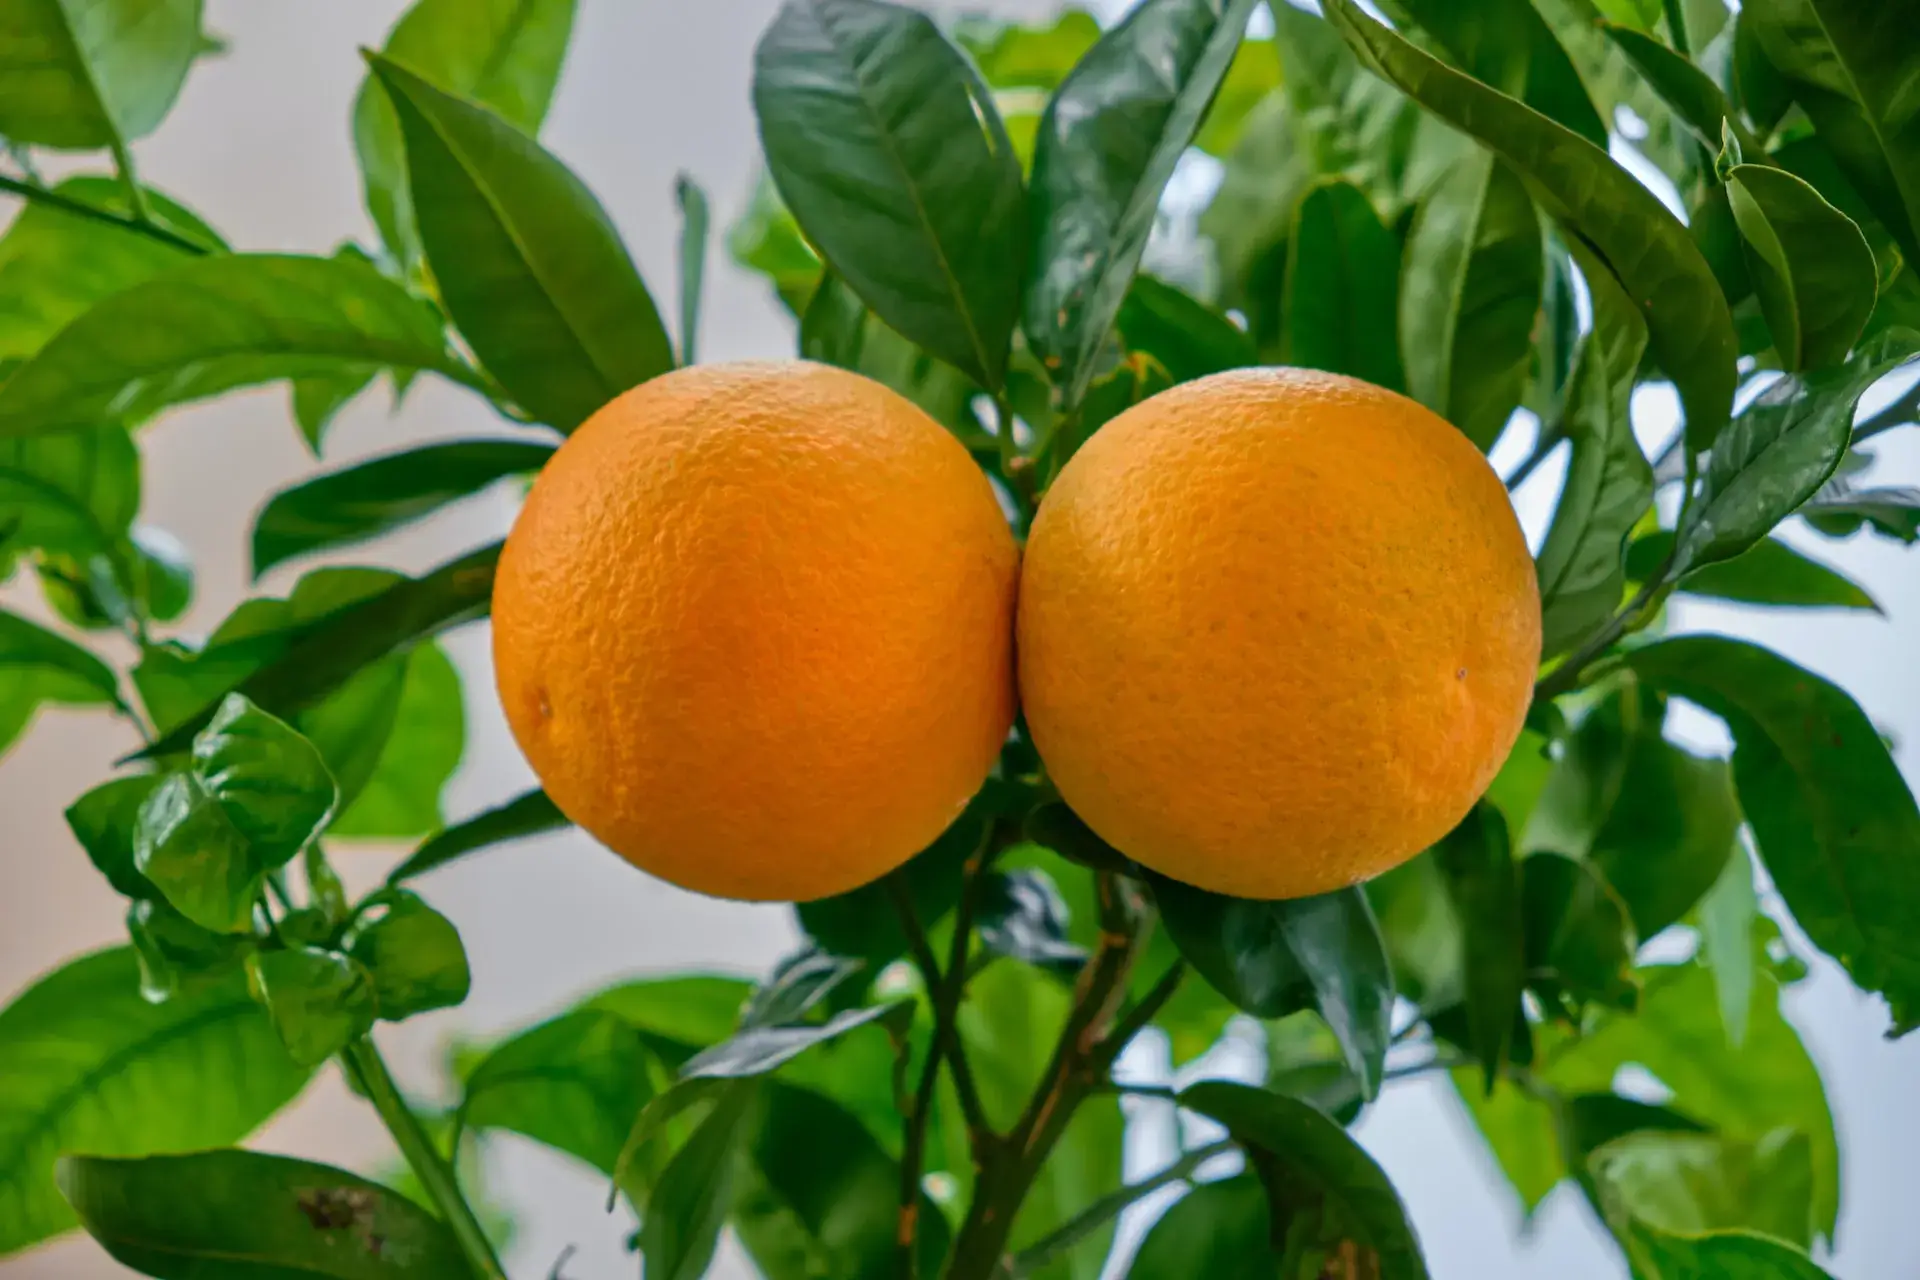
(973,215)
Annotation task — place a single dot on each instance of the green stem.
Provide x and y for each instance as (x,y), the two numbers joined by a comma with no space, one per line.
(1107,1207)
(81,209)
(136,198)
(1566,677)
(364,1061)
(1677,28)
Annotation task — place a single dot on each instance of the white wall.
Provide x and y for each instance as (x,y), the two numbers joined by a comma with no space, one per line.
(259,145)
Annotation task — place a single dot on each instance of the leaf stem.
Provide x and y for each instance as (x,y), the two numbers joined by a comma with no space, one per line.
(1016,467)
(1566,677)
(364,1062)
(1109,1206)
(1677,28)
(79,208)
(136,198)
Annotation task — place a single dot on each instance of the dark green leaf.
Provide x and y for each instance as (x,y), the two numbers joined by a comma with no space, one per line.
(693,260)
(756,1051)
(1222,1230)
(503,54)
(838,329)
(1876,52)
(386,493)
(1331,1191)
(214,324)
(800,982)
(695,1193)
(98,76)
(75,493)
(1770,572)
(1779,451)
(38,666)
(819,1197)
(319,1001)
(189,849)
(1711,223)
(1506,44)
(1272,958)
(887,147)
(319,397)
(54,264)
(1641,243)
(1476,859)
(1609,483)
(575,1083)
(91,1066)
(1343,286)
(1810,265)
(1759,87)
(1469,293)
(1579,937)
(1723,1255)
(177,955)
(414,955)
(1422,933)
(239,1215)
(1840,508)
(862,923)
(527,815)
(1834,820)
(1691,92)
(1189,338)
(1022,916)
(271,782)
(1694,1183)
(411,766)
(103,821)
(528,264)
(1108,144)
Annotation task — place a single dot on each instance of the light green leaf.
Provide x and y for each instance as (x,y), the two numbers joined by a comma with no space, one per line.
(1810,265)
(1692,1183)
(414,954)
(177,955)
(319,1001)
(103,820)
(270,781)
(1508,45)
(1343,282)
(81,76)
(91,1066)
(1726,918)
(695,1193)
(189,849)
(527,262)
(37,666)
(1724,1255)
(425,740)
(74,493)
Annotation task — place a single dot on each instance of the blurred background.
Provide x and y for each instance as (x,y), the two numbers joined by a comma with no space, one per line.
(259,144)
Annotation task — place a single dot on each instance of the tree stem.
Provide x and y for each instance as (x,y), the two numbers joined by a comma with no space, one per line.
(363,1061)
(81,209)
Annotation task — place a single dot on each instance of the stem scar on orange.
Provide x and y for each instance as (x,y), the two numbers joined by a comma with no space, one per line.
(753,629)
(1278,630)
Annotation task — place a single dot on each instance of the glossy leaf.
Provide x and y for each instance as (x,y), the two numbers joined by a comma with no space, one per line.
(1476,860)
(1694,1183)
(1875,49)
(1221,1230)
(1507,44)
(1470,289)
(1696,100)
(187,847)
(1658,265)
(1609,482)
(271,782)
(37,666)
(1343,282)
(74,493)
(528,264)
(575,1083)
(409,770)
(177,955)
(1188,338)
(1335,1192)
(91,1066)
(837,328)
(1840,508)
(694,219)
(503,54)
(1810,265)
(1770,572)
(1831,815)
(695,1193)
(103,821)
(1108,144)
(240,1215)
(1023,917)
(214,324)
(96,75)
(319,1001)
(797,984)
(755,1051)
(385,493)
(414,954)
(1271,958)
(1579,937)
(526,815)
(1723,1255)
(1780,450)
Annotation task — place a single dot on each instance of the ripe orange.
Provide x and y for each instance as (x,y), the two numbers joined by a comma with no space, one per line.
(753,629)
(1278,630)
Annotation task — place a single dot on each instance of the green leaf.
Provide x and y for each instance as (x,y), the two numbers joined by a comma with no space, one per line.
(1518,1130)
(695,1193)
(214,324)
(1770,572)
(766,240)
(1876,52)
(187,847)
(758,1050)
(503,54)
(1272,958)
(319,397)
(1725,919)
(528,264)
(862,923)
(1696,100)
(389,492)
(1469,291)
(412,765)
(797,984)
(319,1001)
(1780,450)
(55,264)
(177,955)
(74,493)
(95,75)
(886,145)
(1609,482)
(1108,144)
(1508,45)
(239,1215)
(91,1066)
(1810,265)
(1023,917)
(1833,819)
(1693,1183)
(1579,937)
(837,328)
(1221,1230)
(694,219)
(1840,508)
(575,1083)
(1646,247)
(527,815)
(678,1016)
(1476,860)
(306,662)
(414,955)
(819,1197)
(271,782)
(1189,338)
(1724,1255)
(37,666)
(1335,1194)
(103,821)
(1343,283)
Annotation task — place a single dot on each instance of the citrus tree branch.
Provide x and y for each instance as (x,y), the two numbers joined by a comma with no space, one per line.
(81,209)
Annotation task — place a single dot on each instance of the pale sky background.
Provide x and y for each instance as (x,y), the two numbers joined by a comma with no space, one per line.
(259,145)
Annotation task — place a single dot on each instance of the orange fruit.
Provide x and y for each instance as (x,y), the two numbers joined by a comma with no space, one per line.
(753,629)
(1278,630)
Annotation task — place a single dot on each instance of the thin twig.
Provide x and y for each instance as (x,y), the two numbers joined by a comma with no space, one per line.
(1550,438)
(1146,1011)
(81,209)
(1566,677)
(1109,1206)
